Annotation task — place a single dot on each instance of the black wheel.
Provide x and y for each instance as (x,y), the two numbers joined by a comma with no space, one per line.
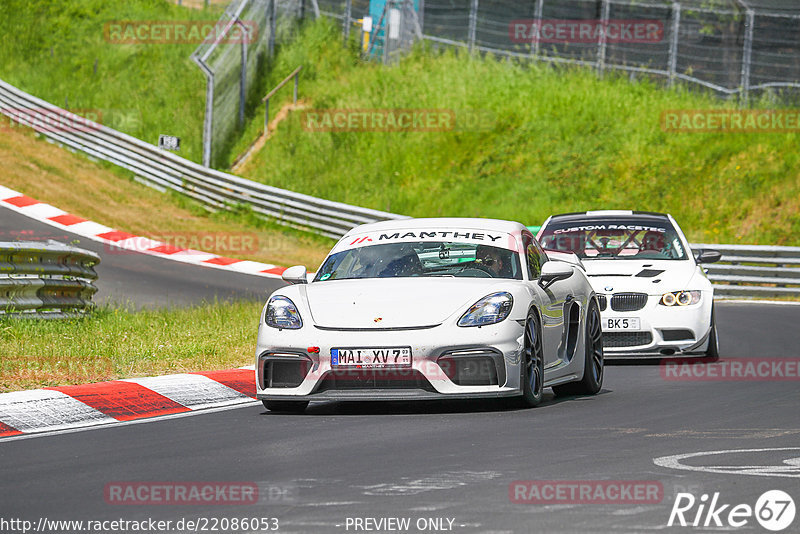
(285,406)
(594,366)
(532,368)
(712,352)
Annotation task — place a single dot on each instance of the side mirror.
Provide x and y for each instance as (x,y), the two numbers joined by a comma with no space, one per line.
(295,275)
(708,256)
(553,271)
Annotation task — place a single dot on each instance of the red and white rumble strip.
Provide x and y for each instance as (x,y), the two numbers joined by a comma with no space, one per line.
(102,403)
(97,232)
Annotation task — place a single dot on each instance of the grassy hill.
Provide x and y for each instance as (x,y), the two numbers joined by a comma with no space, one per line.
(58,51)
(561,140)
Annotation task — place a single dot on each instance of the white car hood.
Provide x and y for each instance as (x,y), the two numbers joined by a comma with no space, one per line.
(392,303)
(654,276)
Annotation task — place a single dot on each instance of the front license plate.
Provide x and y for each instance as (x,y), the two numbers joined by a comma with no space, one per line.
(371,357)
(621,323)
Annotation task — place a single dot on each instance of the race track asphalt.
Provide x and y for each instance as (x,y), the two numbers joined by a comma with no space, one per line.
(321,471)
(444,459)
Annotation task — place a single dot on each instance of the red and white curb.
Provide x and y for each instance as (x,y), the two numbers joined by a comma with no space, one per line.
(104,403)
(122,240)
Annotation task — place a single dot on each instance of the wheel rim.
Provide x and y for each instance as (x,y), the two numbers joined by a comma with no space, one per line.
(532,359)
(596,343)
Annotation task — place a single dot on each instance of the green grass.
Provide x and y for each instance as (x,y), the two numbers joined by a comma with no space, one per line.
(115,343)
(50,49)
(562,140)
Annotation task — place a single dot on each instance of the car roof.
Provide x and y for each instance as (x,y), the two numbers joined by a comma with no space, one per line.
(606,214)
(496,225)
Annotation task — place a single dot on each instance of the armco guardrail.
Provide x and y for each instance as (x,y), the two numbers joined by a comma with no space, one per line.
(164,170)
(755,271)
(46,280)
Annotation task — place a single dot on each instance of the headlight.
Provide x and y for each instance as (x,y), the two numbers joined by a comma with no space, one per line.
(490,309)
(282,313)
(680,298)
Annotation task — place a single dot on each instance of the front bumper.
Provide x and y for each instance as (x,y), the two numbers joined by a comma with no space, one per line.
(664,330)
(447,361)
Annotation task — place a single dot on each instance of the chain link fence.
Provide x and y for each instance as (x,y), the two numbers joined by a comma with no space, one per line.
(232,59)
(734,47)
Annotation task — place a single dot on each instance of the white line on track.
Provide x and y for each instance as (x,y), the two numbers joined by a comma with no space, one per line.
(789,469)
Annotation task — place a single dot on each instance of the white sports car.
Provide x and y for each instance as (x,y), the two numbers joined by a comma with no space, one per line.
(654,296)
(431,309)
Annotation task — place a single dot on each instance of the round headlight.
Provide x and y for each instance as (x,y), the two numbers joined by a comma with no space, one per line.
(684,298)
(668,299)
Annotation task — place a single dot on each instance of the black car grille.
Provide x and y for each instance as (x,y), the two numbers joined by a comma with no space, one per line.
(603,302)
(628,301)
(374,379)
(677,335)
(626,339)
(470,371)
(277,372)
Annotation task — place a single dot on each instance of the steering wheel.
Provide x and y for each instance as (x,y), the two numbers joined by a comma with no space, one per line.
(481,271)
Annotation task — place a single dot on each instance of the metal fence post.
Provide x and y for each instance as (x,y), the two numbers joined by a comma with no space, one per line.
(273,10)
(537,20)
(348,9)
(605,9)
(473,23)
(673,44)
(243,74)
(747,52)
(208,119)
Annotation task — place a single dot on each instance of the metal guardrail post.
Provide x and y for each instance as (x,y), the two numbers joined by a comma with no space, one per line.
(673,44)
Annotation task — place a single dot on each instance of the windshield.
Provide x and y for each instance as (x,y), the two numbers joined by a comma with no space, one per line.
(626,239)
(421,259)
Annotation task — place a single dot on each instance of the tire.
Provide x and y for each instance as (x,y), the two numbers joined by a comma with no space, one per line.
(285,406)
(593,367)
(712,352)
(532,365)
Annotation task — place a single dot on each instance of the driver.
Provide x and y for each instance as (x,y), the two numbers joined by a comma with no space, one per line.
(491,258)
(653,242)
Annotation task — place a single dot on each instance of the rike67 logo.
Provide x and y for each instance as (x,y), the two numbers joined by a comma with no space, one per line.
(774,510)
